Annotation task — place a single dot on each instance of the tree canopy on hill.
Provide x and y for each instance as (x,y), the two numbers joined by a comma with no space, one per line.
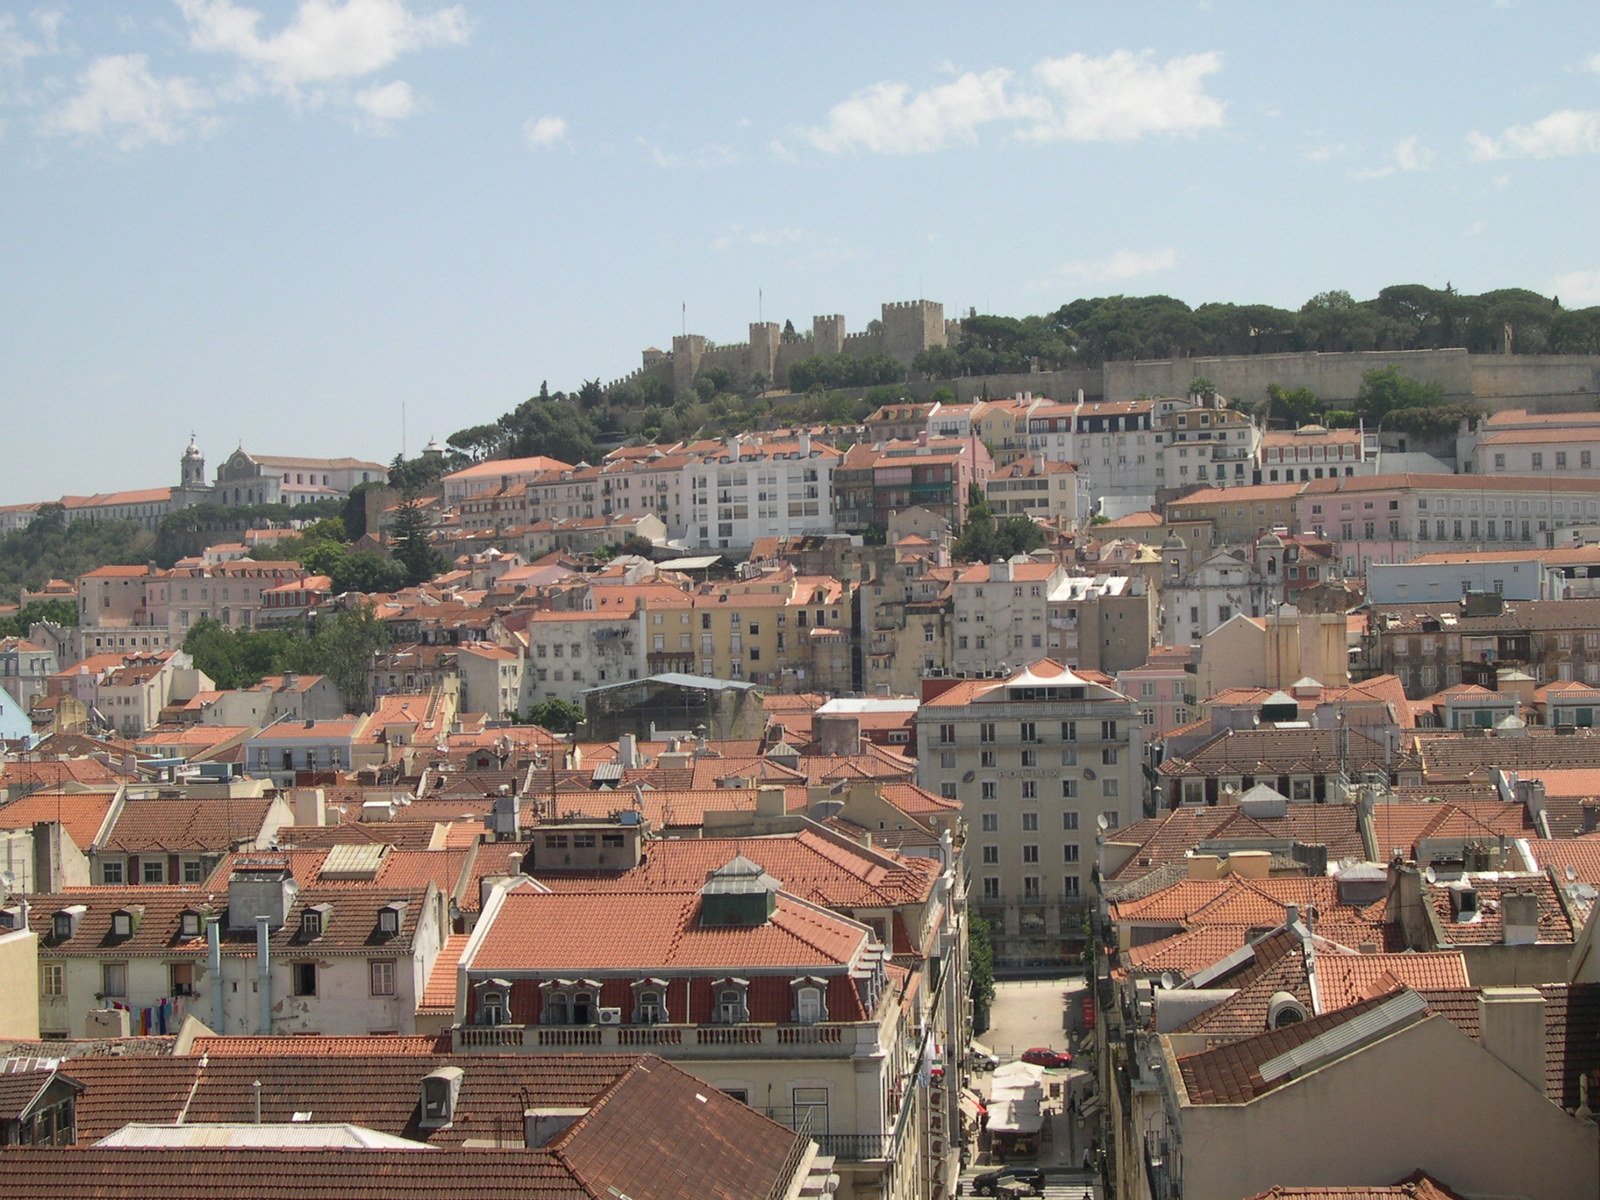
(49,548)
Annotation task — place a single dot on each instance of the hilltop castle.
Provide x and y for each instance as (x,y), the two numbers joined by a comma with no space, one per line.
(905,329)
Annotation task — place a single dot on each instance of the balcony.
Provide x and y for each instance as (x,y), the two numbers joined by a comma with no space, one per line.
(824,1040)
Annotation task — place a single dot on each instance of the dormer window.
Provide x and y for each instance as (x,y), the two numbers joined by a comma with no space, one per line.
(730,1001)
(314,920)
(389,917)
(809,1007)
(439,1091)
(189,924)
(650,1002)
(124,921)
(62,926)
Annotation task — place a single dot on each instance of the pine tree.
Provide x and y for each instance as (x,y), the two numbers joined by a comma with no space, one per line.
(411,547)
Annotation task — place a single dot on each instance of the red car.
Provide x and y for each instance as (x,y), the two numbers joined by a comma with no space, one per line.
(1043,1056)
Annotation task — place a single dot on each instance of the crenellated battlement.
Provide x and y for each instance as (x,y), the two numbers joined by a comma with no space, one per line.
(908,328)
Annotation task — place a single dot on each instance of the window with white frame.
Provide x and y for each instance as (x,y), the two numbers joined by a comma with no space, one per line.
(382,976)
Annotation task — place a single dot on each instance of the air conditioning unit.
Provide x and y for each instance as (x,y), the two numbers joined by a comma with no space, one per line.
(609,1016)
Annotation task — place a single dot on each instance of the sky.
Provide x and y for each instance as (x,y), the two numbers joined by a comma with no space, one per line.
(285,225)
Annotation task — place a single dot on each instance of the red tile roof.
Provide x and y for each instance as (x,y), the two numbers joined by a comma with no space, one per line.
(609,931)
(1416,1186)
(321,1046)
(1487,928)
(810,865)
(81,813)
(1231,1073)
(173,826)
(439,993)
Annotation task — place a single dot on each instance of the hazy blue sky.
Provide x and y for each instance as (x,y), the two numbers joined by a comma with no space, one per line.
(274,224)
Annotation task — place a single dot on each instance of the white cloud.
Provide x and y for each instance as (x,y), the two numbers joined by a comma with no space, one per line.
(1560,135)
(119,99)
(1577,289)
(390,102)
(1124,96)
(779,151)
(710,155)
(325,42)
(1409,154)
(540,132)
(769,238)
(888,118)
(1121,96)
(1592,63)
(1325,152)
(1475,229)
(1122,265)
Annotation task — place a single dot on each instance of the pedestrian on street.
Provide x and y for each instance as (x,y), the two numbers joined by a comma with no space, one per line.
(1087,1158)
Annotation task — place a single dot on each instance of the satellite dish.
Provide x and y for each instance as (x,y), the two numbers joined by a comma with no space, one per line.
(8,880)
(1571,873)
(1431,875)
(1088,772)
(969,777)
(1169,980)
(1100,822)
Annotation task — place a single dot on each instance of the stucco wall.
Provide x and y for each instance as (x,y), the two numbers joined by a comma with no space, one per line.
(19,984)
(1427,1096)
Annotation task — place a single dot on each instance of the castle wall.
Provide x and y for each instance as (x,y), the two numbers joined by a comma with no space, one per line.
(1244,378)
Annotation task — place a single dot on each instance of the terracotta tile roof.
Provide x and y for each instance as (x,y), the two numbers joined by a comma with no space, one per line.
(1450,756)
(405,835)
(1346,979)
(1244,1014)
(1403,826)
(174,826)
(321,1046)
(611,931)
(1235,901)
(1187,952)
(1581,855)
(1416,1186)
(1487,928)
(662,1133)
(809,864)
(377,1091)
(352,929)
(1231,1073)
(81,813)
(439,994)
(1171,836)
(1287,752)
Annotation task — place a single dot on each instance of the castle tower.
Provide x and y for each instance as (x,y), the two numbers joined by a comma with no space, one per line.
(827,335)
(912,326)
(193,466)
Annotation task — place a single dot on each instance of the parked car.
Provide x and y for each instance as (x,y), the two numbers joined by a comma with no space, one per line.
(1043,1056)
(981,1058)
(988,1184)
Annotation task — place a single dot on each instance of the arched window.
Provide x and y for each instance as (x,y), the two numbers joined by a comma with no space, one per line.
(583,1008)
(651,1009)
(808,1005)
(556,1010)
(492,1008)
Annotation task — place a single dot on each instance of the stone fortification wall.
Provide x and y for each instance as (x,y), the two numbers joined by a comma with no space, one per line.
(908,328)
(1548,382)
(1244,378)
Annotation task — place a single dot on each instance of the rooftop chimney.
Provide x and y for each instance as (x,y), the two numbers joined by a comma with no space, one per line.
(1512,1023)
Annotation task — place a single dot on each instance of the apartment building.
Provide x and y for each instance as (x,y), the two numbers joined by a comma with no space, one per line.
(117,612)
(1239,515)
(1042,761)
(1035,487)
(874,481)
(1313,452)
(782,1002)
(1473,638)
(1394,518)
(1516,442)
(1207,443)
(1000,614)
(229,593)
(349,956)
(753,487)
(495,475)
(1105,622)
(1114,443)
